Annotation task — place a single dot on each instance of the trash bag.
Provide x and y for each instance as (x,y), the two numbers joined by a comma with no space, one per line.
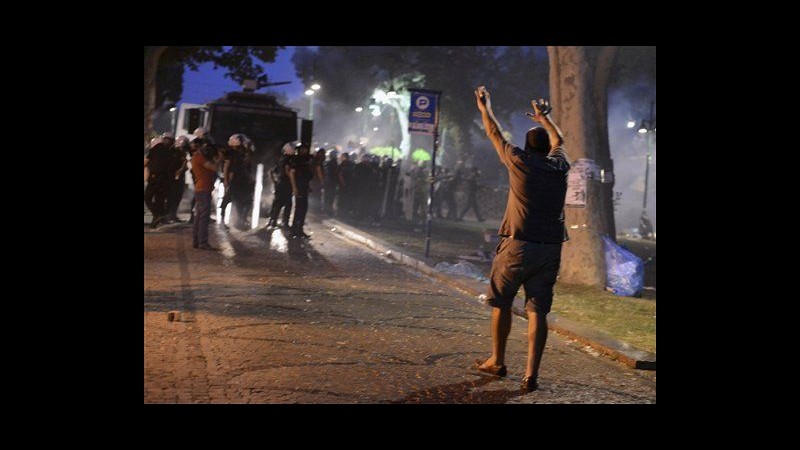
(624,270)
(461,268)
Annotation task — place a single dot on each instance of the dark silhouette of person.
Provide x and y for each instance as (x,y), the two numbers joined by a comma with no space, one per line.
(362,180)
(472,182)
(238,178)
(315,200)
(282,189)
(344,207)
(452,187)
(161,172)
(330,171)
(531,234)
(440,194)
(178,185)
(386,174)
(420,184)
(301,170)
(228,154)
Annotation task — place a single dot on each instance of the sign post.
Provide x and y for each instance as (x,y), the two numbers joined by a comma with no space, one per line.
(423,118)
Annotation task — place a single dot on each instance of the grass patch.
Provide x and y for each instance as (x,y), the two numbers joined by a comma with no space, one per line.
(628,319)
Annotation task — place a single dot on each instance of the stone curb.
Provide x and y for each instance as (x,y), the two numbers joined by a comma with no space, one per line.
(599,341)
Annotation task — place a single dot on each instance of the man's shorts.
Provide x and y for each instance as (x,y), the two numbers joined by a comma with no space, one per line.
(533,265)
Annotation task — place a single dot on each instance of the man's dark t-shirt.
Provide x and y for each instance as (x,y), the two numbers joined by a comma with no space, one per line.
(302,164)
(241,166)
(161,160)
(538,186)
(278,175)
(330,170)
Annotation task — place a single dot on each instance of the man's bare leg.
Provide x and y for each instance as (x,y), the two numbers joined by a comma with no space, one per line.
(537,337)
(501,327)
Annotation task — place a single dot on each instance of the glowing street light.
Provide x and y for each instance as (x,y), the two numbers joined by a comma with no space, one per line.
(646,127)
(359,109)
(631,124)
(310,93)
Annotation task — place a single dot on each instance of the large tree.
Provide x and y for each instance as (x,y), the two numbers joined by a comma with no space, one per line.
(152,56)
(169,84)
(240,62)
(350,75)
(579,77)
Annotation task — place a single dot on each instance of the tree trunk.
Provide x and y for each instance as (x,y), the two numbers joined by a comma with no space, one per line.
(401,106)
(578,78)
(605,61)
(151,57)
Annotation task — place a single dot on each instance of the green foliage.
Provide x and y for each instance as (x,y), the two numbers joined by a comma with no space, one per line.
(241,63)
(420,155)
(169,83)
(391,152)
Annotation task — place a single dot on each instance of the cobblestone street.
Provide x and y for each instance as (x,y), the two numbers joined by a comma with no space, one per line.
(274,320)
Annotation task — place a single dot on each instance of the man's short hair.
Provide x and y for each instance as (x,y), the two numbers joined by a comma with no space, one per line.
(537,140)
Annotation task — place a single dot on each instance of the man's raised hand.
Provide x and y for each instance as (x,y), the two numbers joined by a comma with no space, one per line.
(482,97)
(540,109)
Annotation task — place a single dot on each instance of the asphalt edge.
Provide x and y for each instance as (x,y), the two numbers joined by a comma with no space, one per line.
(613,348)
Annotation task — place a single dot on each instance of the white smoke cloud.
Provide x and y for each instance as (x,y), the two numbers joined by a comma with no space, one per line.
(629,150)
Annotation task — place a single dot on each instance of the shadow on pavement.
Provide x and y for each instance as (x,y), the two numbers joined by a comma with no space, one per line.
(463,392)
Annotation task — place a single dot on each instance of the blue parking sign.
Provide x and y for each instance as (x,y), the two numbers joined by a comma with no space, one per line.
(423,113)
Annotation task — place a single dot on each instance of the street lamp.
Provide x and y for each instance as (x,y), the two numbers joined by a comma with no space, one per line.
(647,126)
(310,93)
(173,115)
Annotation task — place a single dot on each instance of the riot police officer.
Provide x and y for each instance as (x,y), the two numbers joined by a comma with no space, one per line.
(301,171)
(160,165)
(282,188)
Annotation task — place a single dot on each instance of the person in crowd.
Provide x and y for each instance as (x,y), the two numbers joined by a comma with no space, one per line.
(204,169)
(473,184)
(282,188)
(160,165)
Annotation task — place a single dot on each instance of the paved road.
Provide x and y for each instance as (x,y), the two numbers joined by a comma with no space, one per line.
(271,320)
